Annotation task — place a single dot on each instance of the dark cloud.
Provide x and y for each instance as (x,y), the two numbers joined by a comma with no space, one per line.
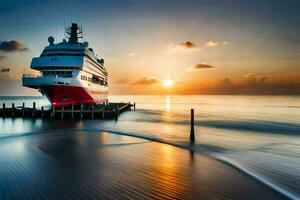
(122,81)
(5,70)
(199,67)
(146,81)
(182,47)
(188,45)
(226,81)
(11,46)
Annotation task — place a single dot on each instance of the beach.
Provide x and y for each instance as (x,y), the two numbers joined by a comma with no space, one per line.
(63,164)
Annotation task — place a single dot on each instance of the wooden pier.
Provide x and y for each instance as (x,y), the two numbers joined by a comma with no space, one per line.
(95,111)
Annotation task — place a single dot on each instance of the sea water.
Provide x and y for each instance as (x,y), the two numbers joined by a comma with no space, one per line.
(260,135)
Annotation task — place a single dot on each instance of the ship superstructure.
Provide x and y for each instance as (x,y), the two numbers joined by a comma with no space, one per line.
(70,71)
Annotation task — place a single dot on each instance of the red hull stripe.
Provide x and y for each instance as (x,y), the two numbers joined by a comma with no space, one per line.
(60,95)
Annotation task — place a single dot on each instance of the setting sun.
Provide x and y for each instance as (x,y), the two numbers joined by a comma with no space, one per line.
(168,83)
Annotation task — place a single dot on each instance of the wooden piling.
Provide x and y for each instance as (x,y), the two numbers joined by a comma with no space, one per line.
(12,109)
(3,109)
(93,111)
(103,111)
(72,112)
(192,133)
(33,111)
(134,106)
(116,113)
(53,112)
(23,109)
(81,109)
(62,112)
(42,109)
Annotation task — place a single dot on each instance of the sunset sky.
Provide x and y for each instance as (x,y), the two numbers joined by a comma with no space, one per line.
(164,46)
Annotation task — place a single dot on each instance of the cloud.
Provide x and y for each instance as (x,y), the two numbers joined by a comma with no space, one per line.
(199,67)
(122,81)
(214,43)
(5,69)
(247,84)
(146,81)
(226,82)
(11,46)
(131,54)
(253,78)
(187,46)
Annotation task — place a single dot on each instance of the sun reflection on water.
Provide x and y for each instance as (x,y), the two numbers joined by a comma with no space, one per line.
(168,103)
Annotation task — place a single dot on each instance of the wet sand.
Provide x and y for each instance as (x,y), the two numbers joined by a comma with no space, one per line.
(90,165)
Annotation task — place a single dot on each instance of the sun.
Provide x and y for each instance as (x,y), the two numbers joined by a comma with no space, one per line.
(168,83)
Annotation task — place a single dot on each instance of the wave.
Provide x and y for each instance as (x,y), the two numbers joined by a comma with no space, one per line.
(38,132)
(265,126)
(257,177)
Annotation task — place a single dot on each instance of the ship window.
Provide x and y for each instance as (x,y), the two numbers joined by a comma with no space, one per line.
(64,74)
(68,74)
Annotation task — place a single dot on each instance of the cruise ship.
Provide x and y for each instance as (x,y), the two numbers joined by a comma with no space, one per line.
(70,72)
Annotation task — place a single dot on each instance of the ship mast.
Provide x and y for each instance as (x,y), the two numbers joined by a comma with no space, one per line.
(75,31)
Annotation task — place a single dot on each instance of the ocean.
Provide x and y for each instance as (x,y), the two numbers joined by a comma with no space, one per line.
(258,135)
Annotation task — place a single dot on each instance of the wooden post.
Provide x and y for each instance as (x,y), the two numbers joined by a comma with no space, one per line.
(33,112)
(81,108)
(117,113)
(53,112)
(93,111)
(72,113)
(103,111)
(12,109)
(192,133)
(62,112)
(42,111)
(23,109)
(134,106)
(3,111)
